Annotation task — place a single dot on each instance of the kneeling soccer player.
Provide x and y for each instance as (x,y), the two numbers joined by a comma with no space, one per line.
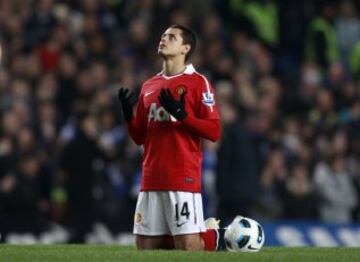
(175,110)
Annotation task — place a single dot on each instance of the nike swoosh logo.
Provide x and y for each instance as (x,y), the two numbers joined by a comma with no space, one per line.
(181,224)
(252,248)
(149,93)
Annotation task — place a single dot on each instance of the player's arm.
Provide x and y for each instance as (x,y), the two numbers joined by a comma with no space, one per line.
(205,128)
(206,120)
(134,123)
(206,124)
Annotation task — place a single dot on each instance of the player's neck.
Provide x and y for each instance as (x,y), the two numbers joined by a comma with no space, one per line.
(173,67)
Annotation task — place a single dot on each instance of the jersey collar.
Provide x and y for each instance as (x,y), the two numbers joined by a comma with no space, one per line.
(189,70)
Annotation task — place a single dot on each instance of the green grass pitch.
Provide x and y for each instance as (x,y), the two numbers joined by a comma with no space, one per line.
(104,253)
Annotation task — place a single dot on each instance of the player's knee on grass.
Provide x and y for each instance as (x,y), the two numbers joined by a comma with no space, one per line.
(189,242)
(149,242)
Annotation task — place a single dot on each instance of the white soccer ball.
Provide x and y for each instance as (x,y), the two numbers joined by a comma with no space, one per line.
(245,235)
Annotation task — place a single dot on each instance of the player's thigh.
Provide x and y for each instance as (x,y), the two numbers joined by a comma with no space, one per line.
(149,242)
(184,212)
(189,242)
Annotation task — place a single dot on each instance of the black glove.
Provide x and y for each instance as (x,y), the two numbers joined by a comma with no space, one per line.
(176,108)
(128,100)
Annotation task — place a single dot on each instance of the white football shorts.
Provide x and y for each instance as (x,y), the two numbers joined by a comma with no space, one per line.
(168,213)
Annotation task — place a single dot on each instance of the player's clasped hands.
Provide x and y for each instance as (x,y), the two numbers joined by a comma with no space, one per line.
(174,107)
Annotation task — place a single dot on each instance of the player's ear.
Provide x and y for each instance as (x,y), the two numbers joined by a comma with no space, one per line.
(186,49)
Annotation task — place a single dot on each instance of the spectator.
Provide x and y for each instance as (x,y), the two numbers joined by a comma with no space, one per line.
(237,166)
(336,192)
(25,196)
(321,43)
(298,195)
(273,175)
(347,27)
(80,163)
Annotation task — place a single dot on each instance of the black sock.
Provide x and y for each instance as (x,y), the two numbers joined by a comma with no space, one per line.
(220,241)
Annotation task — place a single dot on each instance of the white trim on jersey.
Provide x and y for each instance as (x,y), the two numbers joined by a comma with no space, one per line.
(208,93)
(189,70)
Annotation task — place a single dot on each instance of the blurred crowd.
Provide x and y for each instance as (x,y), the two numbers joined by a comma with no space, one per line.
(287,78)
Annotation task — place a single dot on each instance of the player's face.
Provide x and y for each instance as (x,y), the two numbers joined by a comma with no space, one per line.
(171,44)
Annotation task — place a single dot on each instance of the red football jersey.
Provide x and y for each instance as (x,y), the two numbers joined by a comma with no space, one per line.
(172,150)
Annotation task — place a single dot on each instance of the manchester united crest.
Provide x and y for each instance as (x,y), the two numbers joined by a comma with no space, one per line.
(138,218)
(180,90)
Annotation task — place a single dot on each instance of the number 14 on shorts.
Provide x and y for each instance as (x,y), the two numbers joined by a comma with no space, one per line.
(183,211)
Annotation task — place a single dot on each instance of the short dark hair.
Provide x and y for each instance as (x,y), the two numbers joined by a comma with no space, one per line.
(189,38)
